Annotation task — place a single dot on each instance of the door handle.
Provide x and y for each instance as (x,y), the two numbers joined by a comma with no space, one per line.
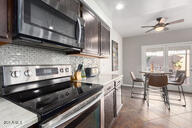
(80,31)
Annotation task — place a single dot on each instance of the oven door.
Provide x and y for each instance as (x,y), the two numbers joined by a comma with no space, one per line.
(87,119)
(87,114)
(55,21)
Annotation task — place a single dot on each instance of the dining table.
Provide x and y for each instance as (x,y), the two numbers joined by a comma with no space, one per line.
(147,74)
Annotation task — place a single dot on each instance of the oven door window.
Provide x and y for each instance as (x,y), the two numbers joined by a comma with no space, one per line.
(43,21)
(91,118)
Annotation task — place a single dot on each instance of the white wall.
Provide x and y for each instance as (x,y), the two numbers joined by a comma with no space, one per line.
(132,48)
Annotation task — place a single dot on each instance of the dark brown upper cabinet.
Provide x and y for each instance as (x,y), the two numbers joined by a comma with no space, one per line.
(91,44)
(5,36)
(104,40)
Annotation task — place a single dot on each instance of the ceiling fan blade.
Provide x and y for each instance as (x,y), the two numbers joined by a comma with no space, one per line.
(147,26)
(150,30)
(162,20)
(175,22)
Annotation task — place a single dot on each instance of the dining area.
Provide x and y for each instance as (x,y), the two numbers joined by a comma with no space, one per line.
(157,82)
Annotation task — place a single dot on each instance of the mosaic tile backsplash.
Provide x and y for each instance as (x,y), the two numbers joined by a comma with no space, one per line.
(24,55)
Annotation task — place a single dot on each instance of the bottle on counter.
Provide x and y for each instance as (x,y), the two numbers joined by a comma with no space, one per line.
(152,68)
(83,74)
(77,74)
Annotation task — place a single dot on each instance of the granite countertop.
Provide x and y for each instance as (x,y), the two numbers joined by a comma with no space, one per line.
(14,116)
(102,79)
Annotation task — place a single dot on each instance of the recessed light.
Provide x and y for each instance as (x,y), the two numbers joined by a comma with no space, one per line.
(51,27)
(119,6)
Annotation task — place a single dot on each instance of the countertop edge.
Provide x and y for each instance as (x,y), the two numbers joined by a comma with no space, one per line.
(96,80)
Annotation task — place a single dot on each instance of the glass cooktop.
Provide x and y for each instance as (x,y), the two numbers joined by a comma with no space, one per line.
(54,98)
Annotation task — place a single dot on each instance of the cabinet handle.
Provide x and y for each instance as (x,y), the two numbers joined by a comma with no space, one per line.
(108,88)
(80,31)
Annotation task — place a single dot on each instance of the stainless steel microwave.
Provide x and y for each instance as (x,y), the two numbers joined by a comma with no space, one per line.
(52,23)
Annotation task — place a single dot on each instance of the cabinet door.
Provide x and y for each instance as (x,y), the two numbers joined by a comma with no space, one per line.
(4,34)
(71,8)
(105,40)
(109,108)
(91,44)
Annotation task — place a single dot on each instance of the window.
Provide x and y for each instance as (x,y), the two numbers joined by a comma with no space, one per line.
(179,60)
(169,58)
(154,61)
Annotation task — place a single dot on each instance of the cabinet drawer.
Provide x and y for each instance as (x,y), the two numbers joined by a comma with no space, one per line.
(108,88)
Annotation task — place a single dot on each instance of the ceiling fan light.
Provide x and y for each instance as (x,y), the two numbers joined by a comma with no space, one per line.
(158,29)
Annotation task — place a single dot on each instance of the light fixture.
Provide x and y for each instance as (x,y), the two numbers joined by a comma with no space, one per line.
(119,6)
(51,27)
(158,29)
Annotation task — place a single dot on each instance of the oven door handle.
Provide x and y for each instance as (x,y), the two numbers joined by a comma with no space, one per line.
(76,110)
(80,31)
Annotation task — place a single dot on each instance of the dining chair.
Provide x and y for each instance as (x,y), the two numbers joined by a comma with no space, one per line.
(135,80)
(177,74)
(179,82)
(159,81)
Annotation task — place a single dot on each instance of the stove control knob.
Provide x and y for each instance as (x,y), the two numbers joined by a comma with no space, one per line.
(66,69)
(61,70)
(15,74)
(27,73)
(67,93)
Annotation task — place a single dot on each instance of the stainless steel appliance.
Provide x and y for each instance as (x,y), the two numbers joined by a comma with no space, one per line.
(49,23)
(91,72)
(48,92)
(118,101)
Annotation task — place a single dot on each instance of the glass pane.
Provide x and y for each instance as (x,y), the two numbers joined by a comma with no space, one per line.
(92,120)
(41,15)
(179,60)
(154,60)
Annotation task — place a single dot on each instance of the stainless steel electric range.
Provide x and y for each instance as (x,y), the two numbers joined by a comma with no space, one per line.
(48,92)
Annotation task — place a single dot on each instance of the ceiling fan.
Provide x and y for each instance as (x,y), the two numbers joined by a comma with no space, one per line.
(161,25)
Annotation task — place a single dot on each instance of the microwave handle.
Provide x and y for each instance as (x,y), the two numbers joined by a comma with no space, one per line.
(80,31)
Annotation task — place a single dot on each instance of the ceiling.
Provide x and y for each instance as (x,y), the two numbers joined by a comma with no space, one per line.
(136,13)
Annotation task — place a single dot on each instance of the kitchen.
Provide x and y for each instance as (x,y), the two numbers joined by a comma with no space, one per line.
(95,64)
(46,44)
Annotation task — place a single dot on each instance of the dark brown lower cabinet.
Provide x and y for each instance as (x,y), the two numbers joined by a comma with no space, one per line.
(109,108)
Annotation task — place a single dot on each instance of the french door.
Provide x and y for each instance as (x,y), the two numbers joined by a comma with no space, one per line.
(169,58)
